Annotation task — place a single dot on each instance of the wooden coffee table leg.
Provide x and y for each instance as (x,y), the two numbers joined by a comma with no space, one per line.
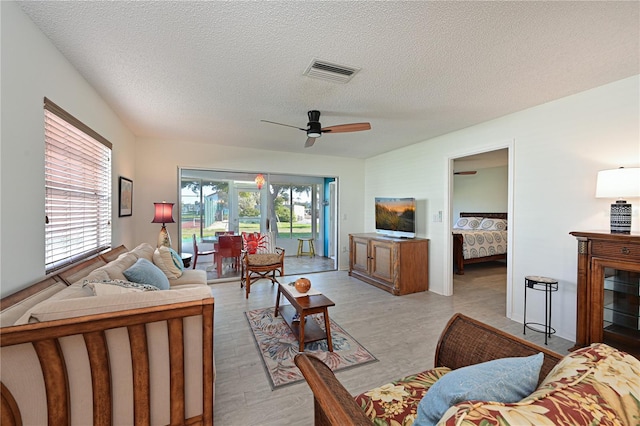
(328,329)
(277,301)
(302,321)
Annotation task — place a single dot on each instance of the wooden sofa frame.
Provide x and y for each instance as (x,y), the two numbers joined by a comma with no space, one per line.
(464,341)
(458,240)
(45,339)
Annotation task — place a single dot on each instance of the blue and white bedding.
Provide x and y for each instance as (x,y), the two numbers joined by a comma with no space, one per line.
(482,237)
(482,243)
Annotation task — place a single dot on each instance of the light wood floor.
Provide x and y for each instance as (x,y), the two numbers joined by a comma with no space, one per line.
(401,331)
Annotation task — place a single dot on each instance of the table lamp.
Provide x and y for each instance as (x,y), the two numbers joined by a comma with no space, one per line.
(163,214)
(619,183)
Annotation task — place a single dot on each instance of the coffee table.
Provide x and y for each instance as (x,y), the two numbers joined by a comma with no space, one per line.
(305,331)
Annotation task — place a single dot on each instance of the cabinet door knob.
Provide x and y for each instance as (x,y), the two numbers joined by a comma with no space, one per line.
(625,250)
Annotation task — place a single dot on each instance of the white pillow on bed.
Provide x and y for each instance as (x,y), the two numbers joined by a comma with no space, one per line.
(468,223)
(493,224)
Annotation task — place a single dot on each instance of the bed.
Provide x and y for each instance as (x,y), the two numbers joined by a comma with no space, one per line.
(476,240)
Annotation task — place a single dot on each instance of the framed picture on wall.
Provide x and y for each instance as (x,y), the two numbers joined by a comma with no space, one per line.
(125,197)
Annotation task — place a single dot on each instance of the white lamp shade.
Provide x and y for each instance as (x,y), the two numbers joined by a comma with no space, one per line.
(618,183)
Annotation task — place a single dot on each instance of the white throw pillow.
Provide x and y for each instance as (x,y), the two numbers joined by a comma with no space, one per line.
(468,223)
(493,224)
(269,243)
(165,260)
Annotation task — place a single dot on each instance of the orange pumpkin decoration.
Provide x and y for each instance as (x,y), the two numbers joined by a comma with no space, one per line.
(303,285)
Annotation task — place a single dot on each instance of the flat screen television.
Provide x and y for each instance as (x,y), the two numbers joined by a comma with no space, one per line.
(395,217)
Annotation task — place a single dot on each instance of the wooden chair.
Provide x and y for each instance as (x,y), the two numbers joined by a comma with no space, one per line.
(262,263)
(228,246)
(197,252)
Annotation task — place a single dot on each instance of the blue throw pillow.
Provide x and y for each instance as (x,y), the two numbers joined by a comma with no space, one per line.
(502,380)
(145,272)
(177,259)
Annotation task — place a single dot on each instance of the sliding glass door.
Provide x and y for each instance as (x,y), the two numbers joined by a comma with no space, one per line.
(291,206)
(249,210)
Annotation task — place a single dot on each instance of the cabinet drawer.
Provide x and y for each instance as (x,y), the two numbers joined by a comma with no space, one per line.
(619,251)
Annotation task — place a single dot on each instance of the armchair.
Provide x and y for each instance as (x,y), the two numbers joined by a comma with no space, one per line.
(260,259)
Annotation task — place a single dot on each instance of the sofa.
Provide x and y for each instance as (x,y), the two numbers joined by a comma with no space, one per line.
(592,385)
(89,346)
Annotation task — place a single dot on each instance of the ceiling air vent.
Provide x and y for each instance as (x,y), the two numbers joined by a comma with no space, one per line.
(325,70)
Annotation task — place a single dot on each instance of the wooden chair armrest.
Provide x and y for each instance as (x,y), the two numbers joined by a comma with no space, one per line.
(333,404)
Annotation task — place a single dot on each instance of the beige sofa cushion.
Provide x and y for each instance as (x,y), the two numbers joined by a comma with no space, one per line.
(114,269)
(51,310)
(143,250)
(190,276)
(21,313)
(77,272)
(10,315)
(73,291)
(97,275)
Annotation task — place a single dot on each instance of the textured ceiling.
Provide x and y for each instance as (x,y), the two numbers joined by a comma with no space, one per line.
(210,71)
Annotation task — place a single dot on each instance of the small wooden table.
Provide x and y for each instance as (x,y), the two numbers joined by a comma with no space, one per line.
(305,331)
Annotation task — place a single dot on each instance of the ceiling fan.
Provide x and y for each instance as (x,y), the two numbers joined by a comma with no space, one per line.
(470,172)
(315,130)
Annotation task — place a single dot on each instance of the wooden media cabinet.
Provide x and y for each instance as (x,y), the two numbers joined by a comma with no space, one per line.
(399,266)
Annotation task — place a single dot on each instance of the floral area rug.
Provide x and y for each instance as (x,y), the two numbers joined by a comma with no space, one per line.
(278,345)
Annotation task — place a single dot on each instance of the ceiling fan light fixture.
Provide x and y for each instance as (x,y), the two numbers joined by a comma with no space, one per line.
(314,130)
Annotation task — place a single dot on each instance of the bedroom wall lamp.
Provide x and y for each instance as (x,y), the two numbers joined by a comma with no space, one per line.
(619,183)
(163,214)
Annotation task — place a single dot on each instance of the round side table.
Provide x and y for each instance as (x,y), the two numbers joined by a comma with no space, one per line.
(186,259)
(548,285)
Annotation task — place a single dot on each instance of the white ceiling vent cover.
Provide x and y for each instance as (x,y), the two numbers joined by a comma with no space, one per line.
(329,71)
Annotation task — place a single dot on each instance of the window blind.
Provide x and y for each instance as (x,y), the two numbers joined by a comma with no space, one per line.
(77,189)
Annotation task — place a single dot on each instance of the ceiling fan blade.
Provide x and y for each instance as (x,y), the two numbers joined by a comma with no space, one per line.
(280,124)
(471,172)
(309,143)
(351,127)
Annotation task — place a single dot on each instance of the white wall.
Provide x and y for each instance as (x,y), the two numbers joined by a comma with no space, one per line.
(486,191)
(32,69)
(558,149)
(157,163)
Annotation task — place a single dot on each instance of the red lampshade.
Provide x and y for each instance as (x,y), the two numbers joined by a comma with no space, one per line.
(260,180)
(164,213)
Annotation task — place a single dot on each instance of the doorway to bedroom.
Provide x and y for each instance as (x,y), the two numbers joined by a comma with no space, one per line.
(480,187)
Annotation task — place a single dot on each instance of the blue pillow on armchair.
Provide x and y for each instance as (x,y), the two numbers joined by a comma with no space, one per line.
(145,272)
(501,380)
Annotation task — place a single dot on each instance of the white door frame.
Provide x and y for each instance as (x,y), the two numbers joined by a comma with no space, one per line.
(234,208)
(448,240)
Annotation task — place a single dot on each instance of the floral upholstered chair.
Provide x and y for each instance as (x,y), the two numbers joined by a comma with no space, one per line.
(260,259)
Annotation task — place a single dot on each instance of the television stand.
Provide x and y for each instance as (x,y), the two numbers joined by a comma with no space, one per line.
(397,265)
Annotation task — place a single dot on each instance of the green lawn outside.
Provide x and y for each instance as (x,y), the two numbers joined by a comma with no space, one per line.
(299,230)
